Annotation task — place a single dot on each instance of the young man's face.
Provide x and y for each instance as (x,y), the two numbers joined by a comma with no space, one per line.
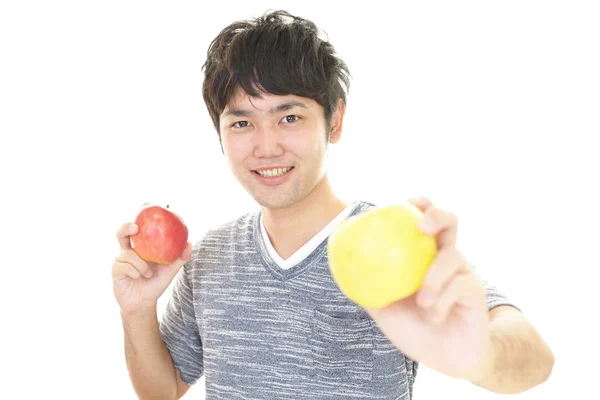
(275,145)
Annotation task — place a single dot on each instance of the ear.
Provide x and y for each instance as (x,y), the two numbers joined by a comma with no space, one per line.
(337,121)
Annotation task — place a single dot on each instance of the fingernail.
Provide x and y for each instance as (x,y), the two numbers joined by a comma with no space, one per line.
(425,298)
(132,228)
(149,273)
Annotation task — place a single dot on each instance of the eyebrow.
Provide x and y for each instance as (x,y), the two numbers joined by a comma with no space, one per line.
(240,112)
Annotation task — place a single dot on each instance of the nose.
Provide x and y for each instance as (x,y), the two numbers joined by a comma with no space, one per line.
(267,143)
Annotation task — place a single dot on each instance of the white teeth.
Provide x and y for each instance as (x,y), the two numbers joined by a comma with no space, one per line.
(269,173)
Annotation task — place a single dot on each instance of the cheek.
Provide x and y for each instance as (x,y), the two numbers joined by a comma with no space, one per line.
(235,149)
(315,148)
(305,144)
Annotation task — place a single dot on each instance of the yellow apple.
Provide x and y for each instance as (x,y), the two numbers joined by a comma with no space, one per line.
(380,256)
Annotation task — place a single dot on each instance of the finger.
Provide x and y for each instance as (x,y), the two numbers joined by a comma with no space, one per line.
(185,257)
(123,234)
(124,270)
(422,202)
(440,223)
(172,269)
(447,263)
(129,256)
(459,287)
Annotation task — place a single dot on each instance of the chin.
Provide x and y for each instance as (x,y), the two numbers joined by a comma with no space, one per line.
(276,200)
(273,202)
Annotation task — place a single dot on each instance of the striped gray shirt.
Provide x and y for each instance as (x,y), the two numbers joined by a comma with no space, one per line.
(257,331)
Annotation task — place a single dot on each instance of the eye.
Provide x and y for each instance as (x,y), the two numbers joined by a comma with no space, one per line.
(240,124)
(290,119)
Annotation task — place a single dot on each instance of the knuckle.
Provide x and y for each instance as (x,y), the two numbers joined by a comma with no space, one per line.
(449,260)
(441,307)
(430,278)
(119,269)
(461,281)
(464,281)
(444,217)
(137,261)
(426,201)
(453,218)
(431,212)
(121,230)
(122,256)
(456,256)
(133,272)
(130,258)
(447,216)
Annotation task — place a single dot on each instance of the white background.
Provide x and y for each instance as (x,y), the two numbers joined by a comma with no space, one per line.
(489,108)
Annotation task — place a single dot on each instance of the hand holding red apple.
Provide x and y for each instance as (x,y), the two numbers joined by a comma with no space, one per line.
(153,250)
(162,235)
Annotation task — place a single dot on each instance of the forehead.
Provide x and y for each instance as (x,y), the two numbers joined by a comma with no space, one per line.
(264,102)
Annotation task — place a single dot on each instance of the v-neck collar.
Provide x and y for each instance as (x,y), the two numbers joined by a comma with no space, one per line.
(315,256)
(310,245)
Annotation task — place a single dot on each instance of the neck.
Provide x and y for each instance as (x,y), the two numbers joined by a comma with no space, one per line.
(291,227)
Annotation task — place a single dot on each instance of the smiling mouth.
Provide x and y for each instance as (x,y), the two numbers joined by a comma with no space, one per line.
(272,173)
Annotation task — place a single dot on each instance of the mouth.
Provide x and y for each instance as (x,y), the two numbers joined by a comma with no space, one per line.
(273,176)
(272,172)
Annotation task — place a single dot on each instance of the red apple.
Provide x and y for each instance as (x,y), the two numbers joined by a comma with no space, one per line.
(162,235)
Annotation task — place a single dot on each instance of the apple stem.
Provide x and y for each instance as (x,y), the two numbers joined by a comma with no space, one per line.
(167,206)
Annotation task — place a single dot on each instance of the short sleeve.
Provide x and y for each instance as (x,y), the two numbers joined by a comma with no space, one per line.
(179,330)
(494,297)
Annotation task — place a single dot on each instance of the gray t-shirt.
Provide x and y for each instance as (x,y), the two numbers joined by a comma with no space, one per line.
(257,331)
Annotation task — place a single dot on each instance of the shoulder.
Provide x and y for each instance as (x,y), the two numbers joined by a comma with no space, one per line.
(224,234)
(362,206)
(240,225)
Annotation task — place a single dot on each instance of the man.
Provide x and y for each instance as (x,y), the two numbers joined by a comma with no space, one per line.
(255,309)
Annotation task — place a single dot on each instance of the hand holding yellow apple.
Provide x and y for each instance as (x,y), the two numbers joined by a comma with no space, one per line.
(380,256)
(401,264)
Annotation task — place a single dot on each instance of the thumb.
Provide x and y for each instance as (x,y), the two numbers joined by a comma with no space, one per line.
(422,202)
(187,252)
(185,257)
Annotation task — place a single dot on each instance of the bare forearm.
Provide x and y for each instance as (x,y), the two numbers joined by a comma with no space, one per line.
(519,359)
(150,366)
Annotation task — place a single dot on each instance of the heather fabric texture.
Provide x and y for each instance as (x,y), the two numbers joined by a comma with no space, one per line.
(258,331)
